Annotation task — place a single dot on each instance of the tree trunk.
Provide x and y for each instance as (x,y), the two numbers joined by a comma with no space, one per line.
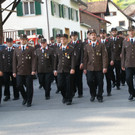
(1,28)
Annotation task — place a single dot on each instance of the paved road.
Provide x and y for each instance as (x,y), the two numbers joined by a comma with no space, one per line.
(115,116)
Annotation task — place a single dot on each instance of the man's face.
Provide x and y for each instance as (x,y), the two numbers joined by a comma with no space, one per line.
(131,33)
(93,36)
(64,41)
(52,41)
(88,36)
(9,44)
(74,38)
(23,41)
(43,45)
(102,35)
(58,39)
(114,33)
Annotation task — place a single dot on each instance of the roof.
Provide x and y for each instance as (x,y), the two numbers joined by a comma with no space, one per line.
(130,10)
(122,11)
(87,12)
(80,2)
(93,7)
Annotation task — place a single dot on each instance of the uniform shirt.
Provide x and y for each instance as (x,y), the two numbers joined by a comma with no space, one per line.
(58,44)
(43,49)
(103,41)
(89,41)
(74,42)
(114,38)
(94,43)
(9,48)
(132,39)
(23,46)
(64,48)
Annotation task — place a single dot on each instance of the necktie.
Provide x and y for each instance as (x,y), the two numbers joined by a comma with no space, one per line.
(132,41)
(63,49)
(74,43)
(93,45)
(9,49)
(103,41)
(23,48)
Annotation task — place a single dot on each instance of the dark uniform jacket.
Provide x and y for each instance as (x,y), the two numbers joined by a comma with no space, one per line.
(1,62)
(117,48)
(24,62)
(45,60)
(108,46)
(7,58)
(128,54)
(78,51)
(95,59)
(64,60)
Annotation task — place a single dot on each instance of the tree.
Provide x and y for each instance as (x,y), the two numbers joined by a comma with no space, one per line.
(14,5)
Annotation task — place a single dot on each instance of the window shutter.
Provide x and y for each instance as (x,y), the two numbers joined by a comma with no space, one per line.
(77,15)
(85,35)
(19,9)
(61,31)
(37,8)
(60,10)
(20,32)
(69,13)
(72,14)
(52,8)
(54,32)
(39,31)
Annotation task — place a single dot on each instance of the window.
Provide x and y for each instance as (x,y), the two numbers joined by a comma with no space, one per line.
(66,13)
(112,13)
(30,32)
(29,8)
(56,9)
(57,31)
(74,14)
(121,23)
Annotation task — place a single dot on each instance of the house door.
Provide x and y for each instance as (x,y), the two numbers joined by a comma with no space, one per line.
(68,33)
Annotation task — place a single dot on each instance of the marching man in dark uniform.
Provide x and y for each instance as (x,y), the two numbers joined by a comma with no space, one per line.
(116,54)
(57,45)
(108,46)
(39,42)
(1,74)
(64,66)
(7,57)
(128,60)
(24,67)
(95,64)
(45,59)
(78,51)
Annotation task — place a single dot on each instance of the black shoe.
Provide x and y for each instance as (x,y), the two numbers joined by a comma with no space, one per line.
(6,98)
(28,104)
(47,98)
(80,96)
(68,102)
(92,99)
(24,102)
(16,98)
(40,86)
(100,100)
(57,91)
(109,94)
(64,101)
(118,88)
(130,97)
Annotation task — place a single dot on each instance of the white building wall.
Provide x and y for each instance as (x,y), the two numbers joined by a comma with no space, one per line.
(26,22)
(62,23)
(115,19)
(40,21)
